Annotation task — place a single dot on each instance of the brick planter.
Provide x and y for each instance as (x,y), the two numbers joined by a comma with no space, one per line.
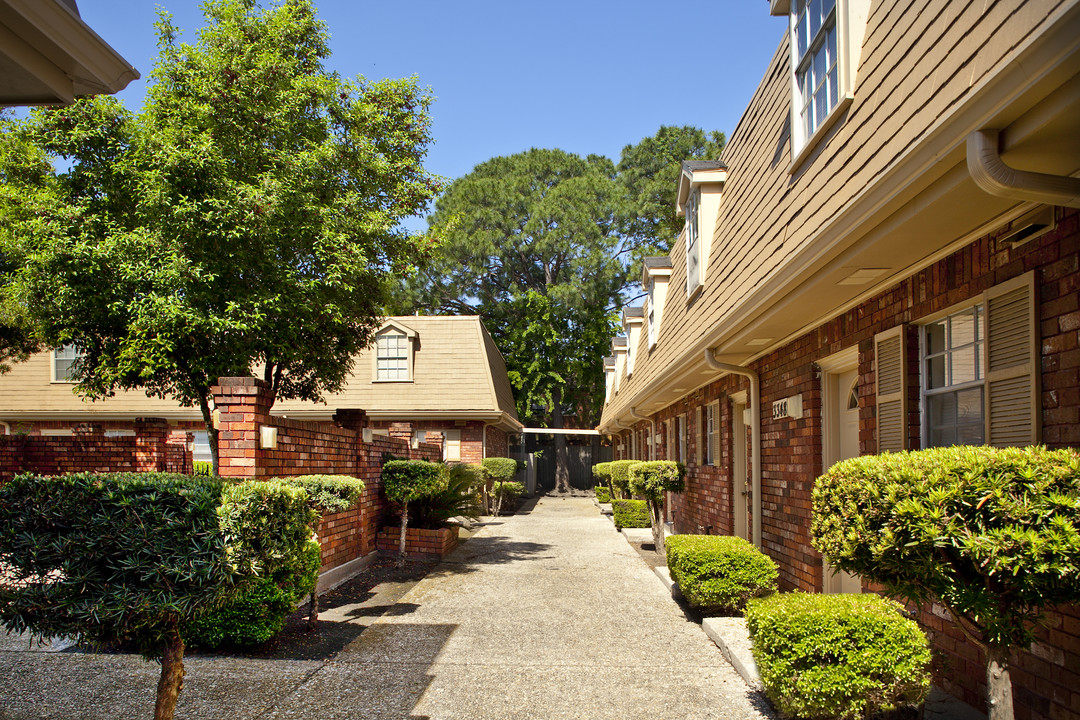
(420,544)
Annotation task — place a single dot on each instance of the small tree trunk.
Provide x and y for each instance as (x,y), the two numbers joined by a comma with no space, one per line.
(562,458)
(404,528)
(999,701)
(211,433)
(172,673)
(656,510)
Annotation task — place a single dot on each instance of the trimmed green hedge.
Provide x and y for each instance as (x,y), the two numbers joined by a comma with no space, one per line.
(603,495)
(499,468)
(602,472)
(328,493)
(630,514)
(838,656)
(258,613)
(652,479)
(620,475)
(718,573)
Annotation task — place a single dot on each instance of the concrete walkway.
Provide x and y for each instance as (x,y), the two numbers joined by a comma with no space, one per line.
(545,614)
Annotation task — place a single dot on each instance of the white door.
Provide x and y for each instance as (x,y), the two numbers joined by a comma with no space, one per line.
(843,407)
(740,491)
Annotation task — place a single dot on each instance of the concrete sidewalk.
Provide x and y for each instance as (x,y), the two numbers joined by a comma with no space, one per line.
(545,614)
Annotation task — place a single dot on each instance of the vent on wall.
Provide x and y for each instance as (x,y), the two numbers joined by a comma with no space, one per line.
(1029,226)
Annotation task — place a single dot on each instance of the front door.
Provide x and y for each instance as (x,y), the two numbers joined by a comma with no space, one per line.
(841,442)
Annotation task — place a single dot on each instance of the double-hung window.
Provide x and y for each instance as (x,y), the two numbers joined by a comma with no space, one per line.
(693,244)
(63,358)
(953,354)
(815,56)
(392,357)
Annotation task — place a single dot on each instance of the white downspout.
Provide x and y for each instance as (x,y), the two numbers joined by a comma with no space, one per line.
(755,433)
(995,177)
(652,429)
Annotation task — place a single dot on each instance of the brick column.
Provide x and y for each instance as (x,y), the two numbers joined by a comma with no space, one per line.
(401,430)
(151,434)
(435,438)
(351,419)
(243,404)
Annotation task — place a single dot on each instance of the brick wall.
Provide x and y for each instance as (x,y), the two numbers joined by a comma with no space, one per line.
(497,442)
(152,448)
(1044,678)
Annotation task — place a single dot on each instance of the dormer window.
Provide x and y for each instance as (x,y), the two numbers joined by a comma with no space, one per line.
(654,280)
(693,245)
(652,319)
(813,41)
(394,345)
(826,42)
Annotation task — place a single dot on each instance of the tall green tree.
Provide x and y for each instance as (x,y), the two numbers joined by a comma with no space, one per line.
(531,245)
(247,220)
(649,173)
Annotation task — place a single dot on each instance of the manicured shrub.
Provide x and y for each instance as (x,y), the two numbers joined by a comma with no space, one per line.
(134,558)
(502,491)
(460,498)
(991,534)
(328,493)
(603,495)
(651,480)
(602,473)
(718,573)
(407,480)
(630,514)
(499,468)
(620,476)
(258,613)
(837,656)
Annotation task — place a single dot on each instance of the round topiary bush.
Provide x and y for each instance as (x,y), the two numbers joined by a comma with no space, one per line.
(838,656)
(500,468)
(603,495)
(718,573)
(407,480)
(620,475)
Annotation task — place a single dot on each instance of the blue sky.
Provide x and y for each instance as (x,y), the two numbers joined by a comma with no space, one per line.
(588,76)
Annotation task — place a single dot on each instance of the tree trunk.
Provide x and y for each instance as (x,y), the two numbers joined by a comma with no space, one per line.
(404,528)
(999,701)
(172,673)
(656,515)
(562,460)
(211,433)
(313,612)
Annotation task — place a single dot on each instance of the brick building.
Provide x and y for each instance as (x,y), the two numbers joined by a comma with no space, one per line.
(424,374)
(886,256)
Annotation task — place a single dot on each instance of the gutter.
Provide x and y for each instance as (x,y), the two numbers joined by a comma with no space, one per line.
(991,174)
(652,437)
(755,434)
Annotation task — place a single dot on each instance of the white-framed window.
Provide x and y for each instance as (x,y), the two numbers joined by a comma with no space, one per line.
(712,434)
(392,352)
(680,439)
(650,319)
(952,356)
(815,59)
(693,243)
(62,360)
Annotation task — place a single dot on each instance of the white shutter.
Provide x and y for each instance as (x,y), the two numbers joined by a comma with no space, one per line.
(890,373)
(700,438)
(714,433)
(1012,363)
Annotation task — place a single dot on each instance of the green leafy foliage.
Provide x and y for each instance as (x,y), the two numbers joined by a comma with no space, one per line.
(504,491)
(837,656)
(992,534)
(603,494)
(460,498)
(247,220)
(501,469)
(118,558)
(630,514)
(649,174)
(718,573)
(202,467)
(408,480)
(328,493)
(258,613)
(602,472)
(620,475)
(653,478)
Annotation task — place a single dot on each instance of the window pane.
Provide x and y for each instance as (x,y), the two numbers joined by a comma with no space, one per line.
(815,17)
(942,437)
(942,410)
(821,66)
(821,106)
(969,406)
(962,365)
(801,39)
(834,92)
(962,329)
(935,372)
(827,7)
(935,338)
(970,434)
